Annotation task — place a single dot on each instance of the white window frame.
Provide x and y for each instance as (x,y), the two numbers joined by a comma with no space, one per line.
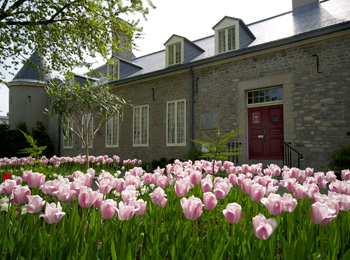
(174,54)
(113,69)
(175,142)
(228,46)
(86,117)
(67,133)
(112,129)
(274,97)
(140,125)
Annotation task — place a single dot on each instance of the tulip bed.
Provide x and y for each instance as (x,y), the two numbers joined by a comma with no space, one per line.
(184,211)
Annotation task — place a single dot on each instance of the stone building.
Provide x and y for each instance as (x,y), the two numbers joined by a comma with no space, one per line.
(285,79)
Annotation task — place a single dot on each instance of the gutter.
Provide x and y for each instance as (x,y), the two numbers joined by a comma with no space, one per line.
(293,39)
(191,108)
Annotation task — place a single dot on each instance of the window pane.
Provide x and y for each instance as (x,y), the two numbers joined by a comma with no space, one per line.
(231,38)
(222,41)
(171,123)
(178,53)
(137,125)
(180,122)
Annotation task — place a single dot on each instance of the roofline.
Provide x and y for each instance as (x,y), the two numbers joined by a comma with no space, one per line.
(264,46)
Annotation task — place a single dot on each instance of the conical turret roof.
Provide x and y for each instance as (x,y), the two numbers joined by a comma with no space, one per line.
(35,69)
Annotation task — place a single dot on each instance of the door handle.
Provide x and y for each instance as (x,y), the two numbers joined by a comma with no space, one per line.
(260,136)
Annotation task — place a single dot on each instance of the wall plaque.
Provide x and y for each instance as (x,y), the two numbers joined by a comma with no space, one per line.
(208,121)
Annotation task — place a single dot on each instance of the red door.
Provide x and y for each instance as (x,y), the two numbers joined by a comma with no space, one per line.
(265,132)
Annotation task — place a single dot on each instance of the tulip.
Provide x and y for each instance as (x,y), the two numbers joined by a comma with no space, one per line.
(273,203)
(345,174)
(162,181)
(87,197)
(322,213)
(140,206)
(192,207)
(53,213)
(288,202)
(245,185)
(209,201)
(129,193)
(263,228)
(125,212)
(163,203)
(64,192)
(233,213)
(157,196)
(35,204)
(147,178)
(206,184)
(120,184)
(105,185)
(108,208)
(256,192)
(7,186)
(19,194)
(299,191)
(35,179)
(221,190)
(182,187)
(195,177)
(98,202)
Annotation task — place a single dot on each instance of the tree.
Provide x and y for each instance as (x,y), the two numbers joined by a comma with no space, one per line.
(81,107)
(42,138)
(64,30)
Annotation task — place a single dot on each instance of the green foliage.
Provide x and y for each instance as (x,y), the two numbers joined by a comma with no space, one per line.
(83,105)
(217,148)
(16,141)
(194,154)
(340,159)
(34,151)
(40,134)
(64,31)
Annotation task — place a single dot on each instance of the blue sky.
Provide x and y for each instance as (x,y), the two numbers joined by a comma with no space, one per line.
(192,19)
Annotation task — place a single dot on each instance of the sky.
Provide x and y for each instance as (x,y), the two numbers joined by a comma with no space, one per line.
(193,19)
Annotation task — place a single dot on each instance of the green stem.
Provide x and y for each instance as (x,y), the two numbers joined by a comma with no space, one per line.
(322,242)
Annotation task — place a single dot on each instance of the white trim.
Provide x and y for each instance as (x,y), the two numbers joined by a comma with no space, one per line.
(70,136)
(114,65)
(140,140)
(173,42)
(225,25)
(113,128)
(176,143)
(268,103)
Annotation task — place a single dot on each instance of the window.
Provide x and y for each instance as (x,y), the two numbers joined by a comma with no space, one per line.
(176,123)
(29,99)
(141,121)
(88,125)
(112,131)
(226,39)
(174,54)
(265,95)
(113,69)
(68,135)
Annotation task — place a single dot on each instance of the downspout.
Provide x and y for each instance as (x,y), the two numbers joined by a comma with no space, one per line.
(191,108)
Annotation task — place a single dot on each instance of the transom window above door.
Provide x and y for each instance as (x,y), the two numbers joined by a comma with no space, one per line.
(266,95)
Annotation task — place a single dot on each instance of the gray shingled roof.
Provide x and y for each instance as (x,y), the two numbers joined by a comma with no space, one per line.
(34,70)
(325,14)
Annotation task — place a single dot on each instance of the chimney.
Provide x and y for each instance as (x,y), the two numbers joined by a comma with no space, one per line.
(304,5)
(122,39)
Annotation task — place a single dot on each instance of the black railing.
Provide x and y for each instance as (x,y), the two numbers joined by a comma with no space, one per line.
(289,154)
(234,146)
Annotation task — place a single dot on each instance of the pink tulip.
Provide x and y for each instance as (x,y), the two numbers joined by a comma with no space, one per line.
(263,228)
(7,186)
(245,185)
(206,184)
(299,191)
(125,212)
(87,197)
(288,202)
(192,207)
(195,177)
(209,201)
(19,194)
(129,193)
(245,168)
(288,183)
(98,201)
(311,189)
(233,213)
(273,203)
(105,185)
(108,208)
(35,204)
(309,171)
(330,176)
(182,187)
(133,180)
(140,206)
(147,178)
(345,174)
(162,181)
(322,213)
(163,203)
(157,196)
(35,179)
(120,184)
(221,190)
(53,213)
(64,192)
(233,179)
(256,192)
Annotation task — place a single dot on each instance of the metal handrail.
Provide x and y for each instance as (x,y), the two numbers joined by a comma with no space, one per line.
(288,155)
(234,145)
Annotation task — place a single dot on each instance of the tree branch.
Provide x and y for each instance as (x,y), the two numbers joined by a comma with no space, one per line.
(16,5)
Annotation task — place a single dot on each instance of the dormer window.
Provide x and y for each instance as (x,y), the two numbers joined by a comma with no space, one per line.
(231,34)
(113,69)
(227,39)
(174,54)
